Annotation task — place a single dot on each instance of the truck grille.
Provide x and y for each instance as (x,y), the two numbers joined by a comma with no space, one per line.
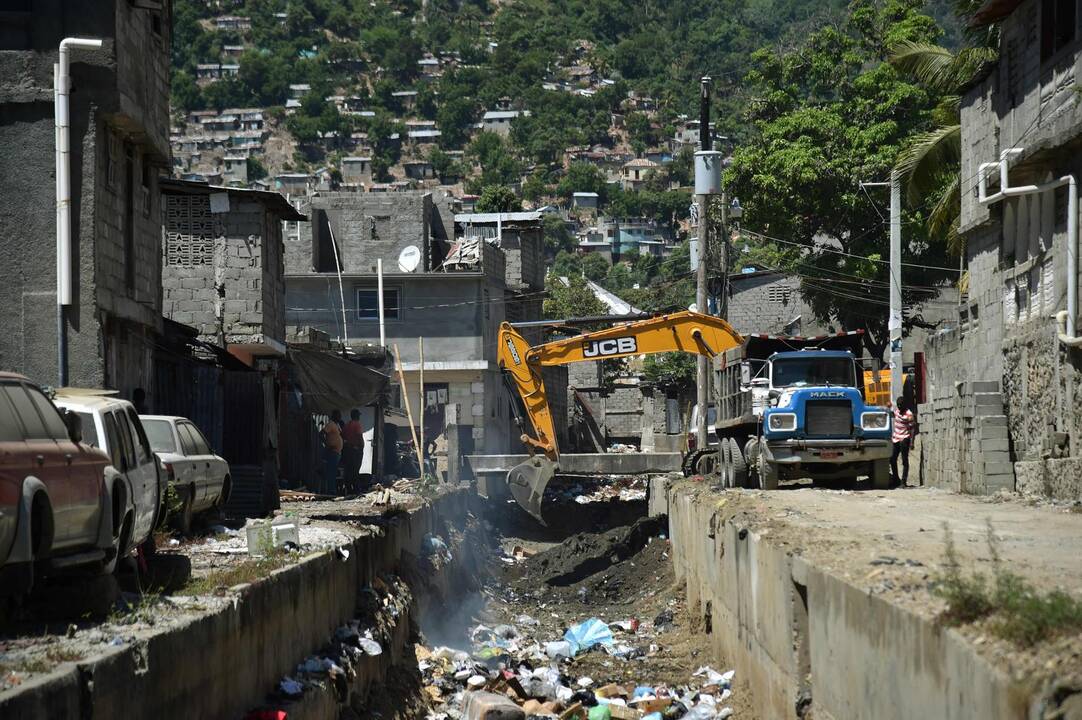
(828,418)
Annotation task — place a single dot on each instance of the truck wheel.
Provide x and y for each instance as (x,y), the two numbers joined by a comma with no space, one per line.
(880,474)
(768,474)
(725,464)
(738,466)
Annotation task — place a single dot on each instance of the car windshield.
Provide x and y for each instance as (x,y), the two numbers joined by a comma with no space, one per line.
(809,371)
(90,430)
(160,435)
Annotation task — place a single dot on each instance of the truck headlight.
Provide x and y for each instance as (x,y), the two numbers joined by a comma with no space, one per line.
(874,420)
(782,421)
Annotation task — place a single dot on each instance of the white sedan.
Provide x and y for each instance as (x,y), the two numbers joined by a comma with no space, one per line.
(200,477)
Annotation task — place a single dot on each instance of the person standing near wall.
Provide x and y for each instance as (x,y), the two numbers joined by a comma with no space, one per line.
(331,434)
(903,440)
(353,450)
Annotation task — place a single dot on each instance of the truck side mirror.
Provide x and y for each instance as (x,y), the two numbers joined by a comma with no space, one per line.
(74,424)
(745,373)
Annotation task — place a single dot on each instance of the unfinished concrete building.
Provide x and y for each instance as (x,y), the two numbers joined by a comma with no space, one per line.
(1008,369)
(119,114)
(452,293)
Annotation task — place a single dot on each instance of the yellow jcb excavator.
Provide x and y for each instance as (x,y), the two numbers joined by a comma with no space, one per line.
(522,363)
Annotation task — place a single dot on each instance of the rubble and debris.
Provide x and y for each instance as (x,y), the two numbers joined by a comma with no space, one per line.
(574,654)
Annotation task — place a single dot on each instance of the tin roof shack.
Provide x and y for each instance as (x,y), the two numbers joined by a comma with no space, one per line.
(451,293)
(223,267)
(1003,356)
(119,113)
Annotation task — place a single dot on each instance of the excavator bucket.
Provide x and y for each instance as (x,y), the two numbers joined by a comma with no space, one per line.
(527,482)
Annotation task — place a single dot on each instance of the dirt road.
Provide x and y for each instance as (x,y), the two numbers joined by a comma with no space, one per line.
(893,545)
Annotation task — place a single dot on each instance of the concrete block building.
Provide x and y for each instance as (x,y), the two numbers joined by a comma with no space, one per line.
(223,270)
(450,291)
(119,110)
(767,301)
(1020,121)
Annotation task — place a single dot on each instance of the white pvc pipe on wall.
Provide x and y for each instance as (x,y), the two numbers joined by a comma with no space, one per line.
(61,91)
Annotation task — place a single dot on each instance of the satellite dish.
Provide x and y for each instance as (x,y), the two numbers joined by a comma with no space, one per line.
(409,259)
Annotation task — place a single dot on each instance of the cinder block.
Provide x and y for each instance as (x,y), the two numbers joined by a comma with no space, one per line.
(988,445)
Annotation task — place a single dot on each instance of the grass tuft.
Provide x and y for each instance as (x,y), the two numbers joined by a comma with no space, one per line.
(1017,611)
(247,572)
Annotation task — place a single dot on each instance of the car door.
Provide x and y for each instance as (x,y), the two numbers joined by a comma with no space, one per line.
(148,473)
(193,477)
(14,467)
(213,474)
(141,482)
(47,464)
(85,470)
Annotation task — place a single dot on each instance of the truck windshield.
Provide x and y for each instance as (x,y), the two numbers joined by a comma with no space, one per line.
(801,372)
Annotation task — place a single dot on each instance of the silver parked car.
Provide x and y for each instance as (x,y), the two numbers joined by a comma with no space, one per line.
(200,477)
(111,424)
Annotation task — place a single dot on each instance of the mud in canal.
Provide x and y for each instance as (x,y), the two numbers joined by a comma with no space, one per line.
(583,625)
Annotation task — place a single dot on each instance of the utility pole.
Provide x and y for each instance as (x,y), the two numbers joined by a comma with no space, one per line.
(894,324)
(894,320)
(702,369)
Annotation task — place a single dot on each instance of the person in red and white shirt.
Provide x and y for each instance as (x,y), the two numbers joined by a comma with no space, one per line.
(903,440)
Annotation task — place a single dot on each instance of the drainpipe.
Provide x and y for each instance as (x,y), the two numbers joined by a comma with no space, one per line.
(61,90)
(1065,319)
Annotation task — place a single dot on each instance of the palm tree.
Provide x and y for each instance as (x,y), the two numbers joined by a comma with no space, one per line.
(930,165)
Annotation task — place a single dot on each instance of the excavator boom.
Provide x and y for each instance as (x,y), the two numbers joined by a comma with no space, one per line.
(679,332)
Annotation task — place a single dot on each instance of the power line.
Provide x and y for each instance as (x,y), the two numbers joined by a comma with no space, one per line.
(821,248)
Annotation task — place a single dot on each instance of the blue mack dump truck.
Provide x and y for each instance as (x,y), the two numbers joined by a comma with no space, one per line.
(791,408)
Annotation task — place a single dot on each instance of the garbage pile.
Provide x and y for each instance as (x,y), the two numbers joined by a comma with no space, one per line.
(358,641)
(602,488)
(511,675)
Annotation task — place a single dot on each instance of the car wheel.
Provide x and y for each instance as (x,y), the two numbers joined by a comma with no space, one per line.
(187,512)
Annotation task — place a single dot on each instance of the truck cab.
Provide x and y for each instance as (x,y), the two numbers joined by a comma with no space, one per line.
(792,408)
(817,424)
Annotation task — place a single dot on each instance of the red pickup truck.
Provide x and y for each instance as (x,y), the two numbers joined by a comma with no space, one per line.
(56,510)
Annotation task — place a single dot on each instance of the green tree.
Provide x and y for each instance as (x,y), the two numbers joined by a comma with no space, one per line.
(498,165)
(265,77)
(583,177)
(930,164)
(186,94)
(534,188)
(674,372)
(498,199)
(827,116)
(567,264)
(595,267)
(573,299)
(256,169)
(557,236)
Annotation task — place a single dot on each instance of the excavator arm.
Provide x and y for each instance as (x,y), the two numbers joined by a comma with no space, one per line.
(679,332)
